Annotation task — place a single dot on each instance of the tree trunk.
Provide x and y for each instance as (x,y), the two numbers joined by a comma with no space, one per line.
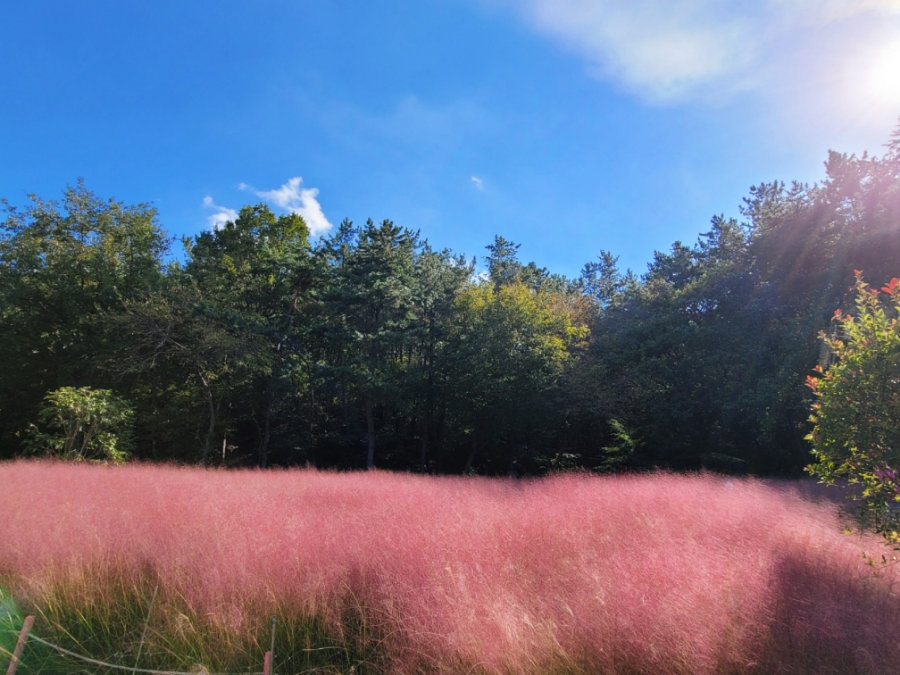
(267,432)
(312,417)
(212,420)
(471,456)
(424,444)
(370,429)
(441,435)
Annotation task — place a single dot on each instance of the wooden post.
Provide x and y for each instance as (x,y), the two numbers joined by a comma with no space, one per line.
(20,645)
(272,646)
(267,664)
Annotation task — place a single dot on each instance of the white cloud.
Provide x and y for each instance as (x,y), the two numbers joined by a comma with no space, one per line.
(294,198)
(222,213)
(672,51)
(479,184)
(660,49)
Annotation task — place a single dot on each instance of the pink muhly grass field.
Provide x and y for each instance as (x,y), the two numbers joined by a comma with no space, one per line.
(632,574)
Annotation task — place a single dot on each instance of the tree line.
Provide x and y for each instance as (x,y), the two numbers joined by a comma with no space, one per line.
(370,348)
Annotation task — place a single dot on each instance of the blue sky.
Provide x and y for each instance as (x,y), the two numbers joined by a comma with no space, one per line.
(568,126)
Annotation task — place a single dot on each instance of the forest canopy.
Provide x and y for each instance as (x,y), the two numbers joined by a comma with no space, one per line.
(368,347)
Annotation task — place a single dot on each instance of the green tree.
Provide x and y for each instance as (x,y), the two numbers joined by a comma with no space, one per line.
(375,306)
(255,274)
(63,266)
(856,415)
(507,349)
(601,280)
(183,360)
(503,262)
(746,303)
(84,424)
(440,278)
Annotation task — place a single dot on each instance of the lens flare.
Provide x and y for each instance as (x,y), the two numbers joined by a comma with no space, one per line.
(868,95)
(880,81)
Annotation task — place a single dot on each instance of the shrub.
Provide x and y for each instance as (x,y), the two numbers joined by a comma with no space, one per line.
(856,414)
(84,424)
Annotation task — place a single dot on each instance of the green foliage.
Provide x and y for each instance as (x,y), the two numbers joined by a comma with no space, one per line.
(370,316)
(676,350)
(10,624)
(63,267)
(503,262)
(856,415)
(263,348)
(253,276)
(84,424)
(618,454)
(188,362)
(507,349)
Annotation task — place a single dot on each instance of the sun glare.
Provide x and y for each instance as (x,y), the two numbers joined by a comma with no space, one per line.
(883,77)
(874,81)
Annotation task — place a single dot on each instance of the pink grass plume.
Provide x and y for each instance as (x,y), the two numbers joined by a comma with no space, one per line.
(660,574)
